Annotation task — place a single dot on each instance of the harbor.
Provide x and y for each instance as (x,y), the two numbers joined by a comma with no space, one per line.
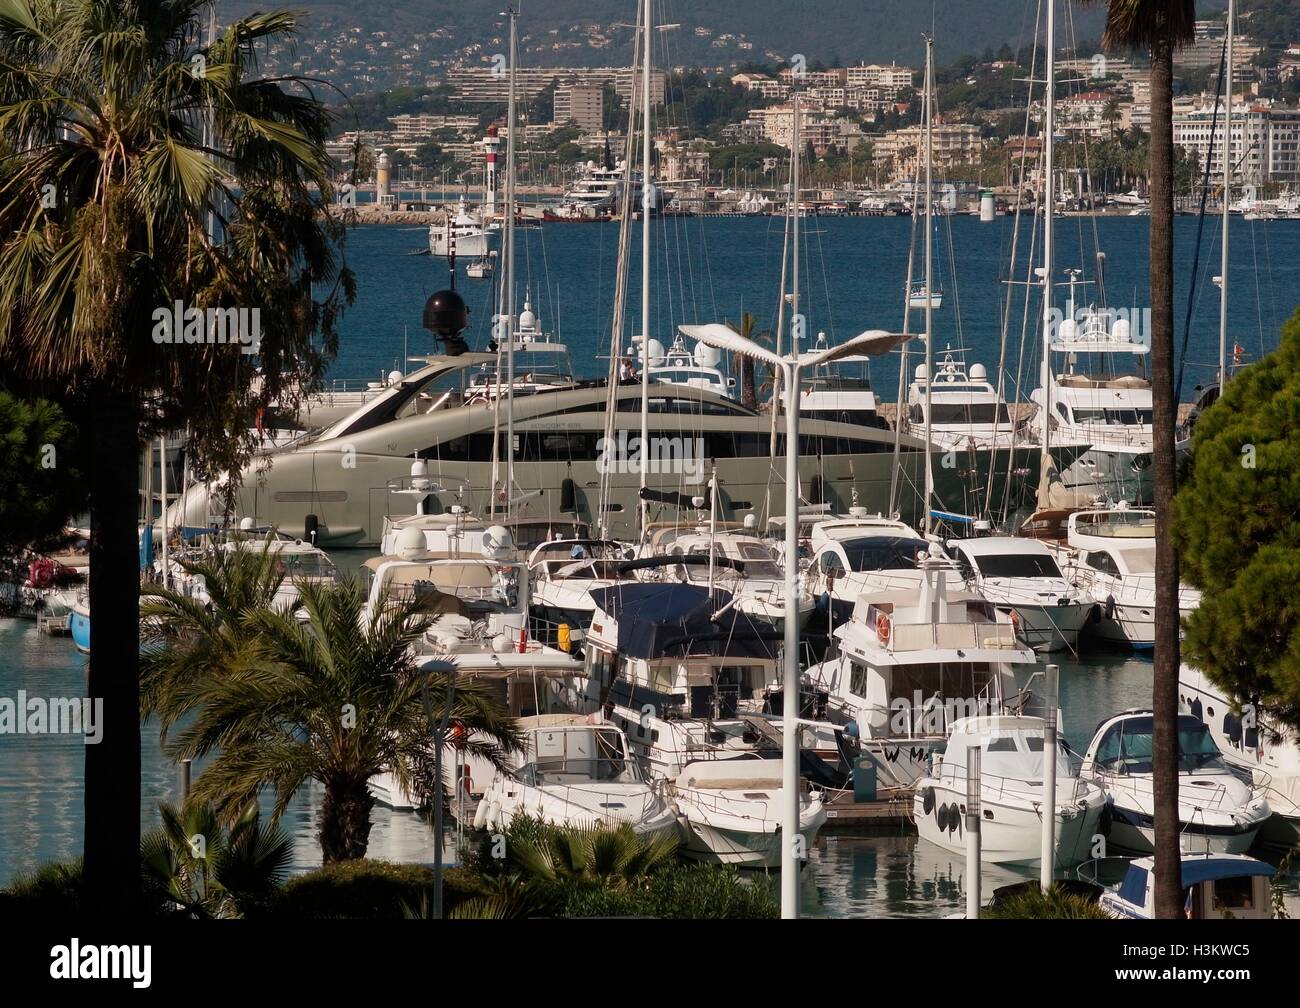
(898,525)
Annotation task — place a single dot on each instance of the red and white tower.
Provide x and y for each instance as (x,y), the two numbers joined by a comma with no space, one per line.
(491,145)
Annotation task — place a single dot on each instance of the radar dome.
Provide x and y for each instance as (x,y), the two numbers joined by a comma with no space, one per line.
(1069,329)
(420,474)
(245,523)
(707,356)
(655,350)
(527,318)
(410,544)
(921,372)
(1120,331)
(394,377)
(446,314)
(497,540)
(501,644)
(977,373)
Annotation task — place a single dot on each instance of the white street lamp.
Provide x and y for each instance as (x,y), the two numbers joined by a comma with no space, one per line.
(872,343)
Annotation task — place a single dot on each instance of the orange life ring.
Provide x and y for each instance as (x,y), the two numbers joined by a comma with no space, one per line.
(882,627)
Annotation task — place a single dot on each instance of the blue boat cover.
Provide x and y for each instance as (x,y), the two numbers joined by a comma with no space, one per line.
(673,621)
(1209,869)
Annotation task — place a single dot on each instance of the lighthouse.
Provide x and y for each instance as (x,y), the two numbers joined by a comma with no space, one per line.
(491,145)
(383,180)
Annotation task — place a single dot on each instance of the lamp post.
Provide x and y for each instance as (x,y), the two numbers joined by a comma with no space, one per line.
(871,343)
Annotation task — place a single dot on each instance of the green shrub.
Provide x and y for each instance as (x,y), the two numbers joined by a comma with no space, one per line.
(372,889)
(51,891)
(1031,903)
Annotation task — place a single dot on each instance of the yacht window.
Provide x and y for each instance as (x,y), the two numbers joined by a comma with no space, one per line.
(1065,413)
(1006,744)
(858,679)
(947,691)
(1237,893)
(1026,565)
(877,553)
(969,413)
(830,564)
(1102,561)
(1113,417)
(859,418)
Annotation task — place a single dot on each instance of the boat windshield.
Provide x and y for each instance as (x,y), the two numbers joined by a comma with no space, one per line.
(1017,565)
(1127,747)
(587,756)
(876,553)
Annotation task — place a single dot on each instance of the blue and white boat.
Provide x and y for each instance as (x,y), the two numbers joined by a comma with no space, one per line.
(79,623)
(1215,887)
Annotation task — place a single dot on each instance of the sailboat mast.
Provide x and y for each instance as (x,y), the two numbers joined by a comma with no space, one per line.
(1049,204)
(510,263)
(647,196)
(796,320)
(929,273)
(1227,198)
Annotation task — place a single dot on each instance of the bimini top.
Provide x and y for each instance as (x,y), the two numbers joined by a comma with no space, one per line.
(1196,868)
(673,621)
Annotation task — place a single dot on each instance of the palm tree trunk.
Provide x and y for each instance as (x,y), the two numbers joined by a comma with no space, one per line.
(748,395)
(112,795)
(1164,700)
(345,820)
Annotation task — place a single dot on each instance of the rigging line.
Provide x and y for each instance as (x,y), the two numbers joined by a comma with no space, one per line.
(895,470)
(1024,341)
(1200,220)
(1015,240)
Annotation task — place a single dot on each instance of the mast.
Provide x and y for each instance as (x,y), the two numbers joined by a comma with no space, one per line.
(647,197)
(1049,204)
(796,321)
(929,274)
(1227,198)
(509,299)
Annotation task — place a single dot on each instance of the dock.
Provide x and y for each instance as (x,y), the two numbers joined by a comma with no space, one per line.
(54,626)
(892,810)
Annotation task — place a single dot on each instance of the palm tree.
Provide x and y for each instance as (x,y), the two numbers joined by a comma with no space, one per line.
(611,857)
(1111,114)
(748,366)
(334,697)
(194,866)
(115,203)
(1161,26)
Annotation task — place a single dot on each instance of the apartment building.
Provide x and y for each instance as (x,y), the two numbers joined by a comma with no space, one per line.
(483,84)
(583,104)
(892,78)
(953,143)
(1265,142)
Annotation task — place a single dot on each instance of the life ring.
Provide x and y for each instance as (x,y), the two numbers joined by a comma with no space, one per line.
(882,627)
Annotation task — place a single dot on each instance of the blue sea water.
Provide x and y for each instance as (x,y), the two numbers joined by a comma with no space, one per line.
(853,275)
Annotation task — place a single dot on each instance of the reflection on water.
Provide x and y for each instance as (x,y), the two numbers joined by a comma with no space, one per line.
(848,876)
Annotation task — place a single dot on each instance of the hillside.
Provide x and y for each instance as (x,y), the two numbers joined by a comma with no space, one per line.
(713,33)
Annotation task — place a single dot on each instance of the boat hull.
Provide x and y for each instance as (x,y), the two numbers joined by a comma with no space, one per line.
(79,627)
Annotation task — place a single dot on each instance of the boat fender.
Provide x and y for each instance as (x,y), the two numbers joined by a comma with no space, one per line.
(564,637)
(1110,606)
(941,817)
(493,818)
(568,497)
(1094,616)
(480,814)
(927,800)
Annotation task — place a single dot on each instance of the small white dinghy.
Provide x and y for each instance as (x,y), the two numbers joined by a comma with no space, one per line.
(574,772)
(1011,794)
(730,812)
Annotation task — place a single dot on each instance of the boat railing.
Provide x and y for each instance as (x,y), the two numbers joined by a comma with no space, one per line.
(1000,785)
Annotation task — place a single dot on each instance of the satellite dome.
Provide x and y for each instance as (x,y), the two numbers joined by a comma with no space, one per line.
(497,540)
(394,377)
(707,356)
(446,314)
(1069,328)
(1119,332)
(977,373)
(410,544)
(527,318)
(921,372)
(420,474)
(245,523)
(655,350)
